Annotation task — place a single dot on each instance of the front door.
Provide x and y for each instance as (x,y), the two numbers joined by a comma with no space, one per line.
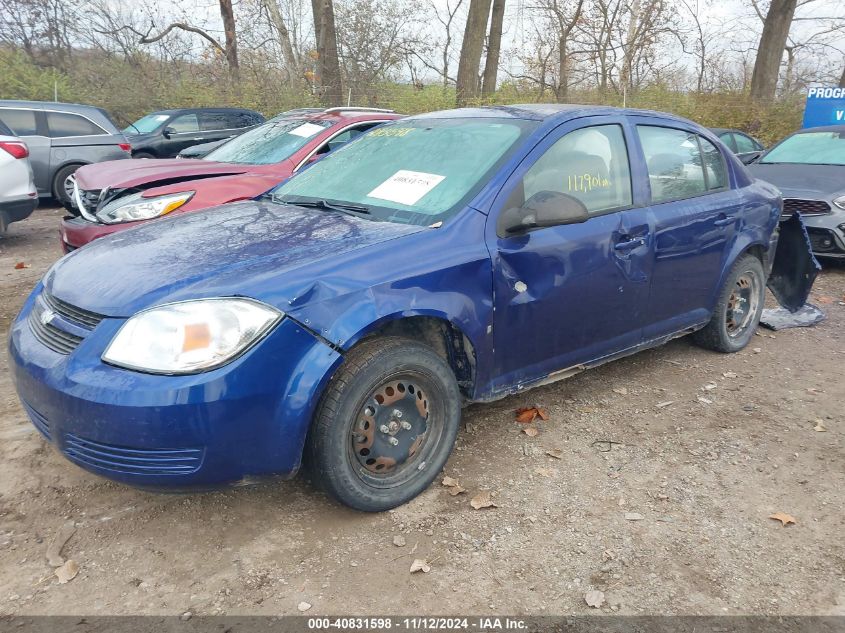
(566,295)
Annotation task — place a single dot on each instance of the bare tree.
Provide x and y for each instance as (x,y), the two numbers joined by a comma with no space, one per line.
(494,45)
(471,48)
(283,35)
(328,64)
(770,50)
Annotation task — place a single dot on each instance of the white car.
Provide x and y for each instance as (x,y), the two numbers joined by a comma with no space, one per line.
(18,196)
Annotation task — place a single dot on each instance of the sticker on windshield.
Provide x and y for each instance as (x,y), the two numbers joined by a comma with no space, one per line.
(406,187)
(306,130)
(392,131)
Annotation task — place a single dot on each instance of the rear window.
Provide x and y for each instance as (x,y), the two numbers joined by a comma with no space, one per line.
(21,122)
(4,130)
(235,120)
(62,124)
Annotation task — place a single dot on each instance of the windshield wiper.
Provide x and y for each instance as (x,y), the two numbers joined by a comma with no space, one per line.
(325,205)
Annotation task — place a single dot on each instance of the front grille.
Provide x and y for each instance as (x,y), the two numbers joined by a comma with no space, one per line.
(41,323)
(78,315)
(805,207)
(39,421)
(134,461)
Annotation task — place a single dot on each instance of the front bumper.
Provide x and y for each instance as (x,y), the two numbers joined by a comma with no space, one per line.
(77,232)
(248,418)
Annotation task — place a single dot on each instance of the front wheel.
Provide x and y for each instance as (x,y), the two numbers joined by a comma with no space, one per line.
(738,309)
(385,426)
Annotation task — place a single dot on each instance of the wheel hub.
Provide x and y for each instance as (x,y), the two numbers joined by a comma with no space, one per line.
(741,305)
(391,426)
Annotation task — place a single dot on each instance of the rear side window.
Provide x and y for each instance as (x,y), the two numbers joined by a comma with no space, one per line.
(590,164)
(674,163)
(185,124)
(211,121)
(714,163)
(4,129)
(21,122)
(66,124)
(235,120)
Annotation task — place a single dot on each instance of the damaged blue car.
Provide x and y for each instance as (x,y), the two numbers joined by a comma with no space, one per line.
(344,318)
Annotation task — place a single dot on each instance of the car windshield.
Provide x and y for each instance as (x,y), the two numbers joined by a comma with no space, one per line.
(269,143)
(810,148)
(146,124)
(411,171)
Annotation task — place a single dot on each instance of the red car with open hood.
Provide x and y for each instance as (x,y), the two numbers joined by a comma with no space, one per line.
(117,195)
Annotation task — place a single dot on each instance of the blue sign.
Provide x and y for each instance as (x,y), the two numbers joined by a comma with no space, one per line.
(825,106)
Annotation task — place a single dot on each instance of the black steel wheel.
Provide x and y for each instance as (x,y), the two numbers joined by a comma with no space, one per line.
(386,424)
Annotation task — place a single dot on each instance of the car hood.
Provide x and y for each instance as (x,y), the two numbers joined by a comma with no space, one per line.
(120,174)
(258,249)
(821,182)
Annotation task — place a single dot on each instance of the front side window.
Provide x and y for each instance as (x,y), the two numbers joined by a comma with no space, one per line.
(416,171)
(269,143)
(21,122)
(185,124)
(66,124)
(674,163)
(806,148)
(590,164)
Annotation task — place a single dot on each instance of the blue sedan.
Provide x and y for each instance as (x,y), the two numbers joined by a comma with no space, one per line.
(344,318)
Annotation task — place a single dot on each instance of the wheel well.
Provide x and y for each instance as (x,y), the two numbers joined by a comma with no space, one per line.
(53,183)
(757,251)
(444,338)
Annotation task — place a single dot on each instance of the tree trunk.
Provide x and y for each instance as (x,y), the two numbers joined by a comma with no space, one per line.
(328,65)
(764,79)
(563,73)
(494,46)
(476,28)
(630,43)
(291,61)
(842,79)
(228,15)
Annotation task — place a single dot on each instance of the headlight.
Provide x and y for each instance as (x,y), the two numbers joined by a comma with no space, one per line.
(839,202)
(190,336)
(136,207)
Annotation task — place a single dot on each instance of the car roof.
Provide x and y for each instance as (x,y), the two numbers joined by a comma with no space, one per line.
(822,128)
(209,109)
(345,114)
(544,112)
(80,108)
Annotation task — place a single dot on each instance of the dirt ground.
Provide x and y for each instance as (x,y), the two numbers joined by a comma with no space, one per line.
(665,509)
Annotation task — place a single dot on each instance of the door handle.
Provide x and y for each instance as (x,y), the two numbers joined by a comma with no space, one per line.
(724,220)
(629,245)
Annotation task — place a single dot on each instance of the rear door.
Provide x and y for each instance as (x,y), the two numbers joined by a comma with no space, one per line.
(565,295)
(30,126)
(695,213)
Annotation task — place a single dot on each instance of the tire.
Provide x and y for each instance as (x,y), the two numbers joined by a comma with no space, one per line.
(142,155)
(63,187)
(738,308)
(349,449)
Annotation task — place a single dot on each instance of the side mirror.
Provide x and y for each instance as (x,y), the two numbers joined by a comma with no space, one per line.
(168,132)
(544,208)
(751,157)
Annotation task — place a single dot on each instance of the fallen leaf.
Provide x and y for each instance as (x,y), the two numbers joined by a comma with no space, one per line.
(303,606)
(784,518)
(557,453)
(544,415)
(531,431)
(399,540)
(526,416)
(420,564)
(594,598)
(824,299)
(456,490)
(21,266)
(661,405)
(454,487)
(67,572)
(820,427)
(483,500)
(633,516)
(449,481)
(621,391)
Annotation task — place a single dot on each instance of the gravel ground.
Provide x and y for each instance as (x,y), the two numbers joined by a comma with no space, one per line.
(664,509)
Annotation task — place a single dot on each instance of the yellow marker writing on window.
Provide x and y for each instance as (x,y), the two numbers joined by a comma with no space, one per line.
(587,182)
(392,131)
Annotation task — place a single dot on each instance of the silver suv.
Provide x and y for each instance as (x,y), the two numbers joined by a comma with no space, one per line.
(18,197)
(61,138)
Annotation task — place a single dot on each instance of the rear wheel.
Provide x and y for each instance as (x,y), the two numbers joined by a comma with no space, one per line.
(385,426)
(142,155)
(738,309)
(63,182)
